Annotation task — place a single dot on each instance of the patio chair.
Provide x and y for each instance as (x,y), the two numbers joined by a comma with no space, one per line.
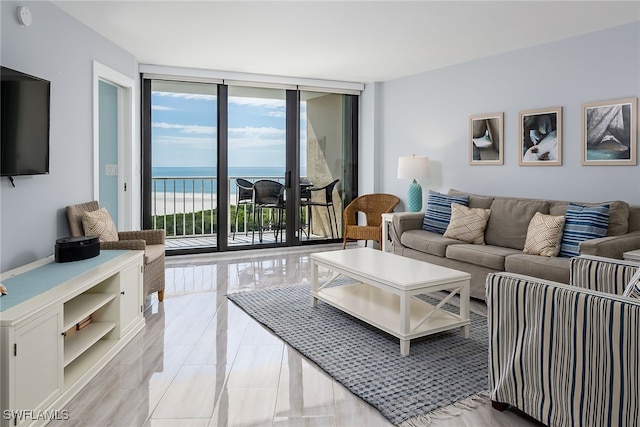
(372,206)
(308,201)
(267,194)
(149,241)
(244,198)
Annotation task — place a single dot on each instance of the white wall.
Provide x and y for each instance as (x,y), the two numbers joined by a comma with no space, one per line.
(58,48)
(428,114)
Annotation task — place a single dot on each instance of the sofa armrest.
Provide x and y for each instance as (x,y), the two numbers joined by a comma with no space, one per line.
(611,246)
(601,274)
(555,350)
(151,237)
(404,221)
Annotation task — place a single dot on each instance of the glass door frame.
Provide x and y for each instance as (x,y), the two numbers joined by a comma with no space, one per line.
(292,168)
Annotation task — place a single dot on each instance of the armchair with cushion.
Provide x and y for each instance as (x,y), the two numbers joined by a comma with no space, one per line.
(567,355)
(372,206)
(149,241)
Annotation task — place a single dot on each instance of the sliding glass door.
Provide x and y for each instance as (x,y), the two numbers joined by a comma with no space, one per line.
(234,166)
(326,163)
(183,163)
(257,165)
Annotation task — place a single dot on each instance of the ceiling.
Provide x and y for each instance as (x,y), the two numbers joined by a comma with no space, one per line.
(356,41)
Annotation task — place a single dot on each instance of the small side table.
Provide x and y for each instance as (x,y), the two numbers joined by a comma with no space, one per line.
(387,221)
(632,255)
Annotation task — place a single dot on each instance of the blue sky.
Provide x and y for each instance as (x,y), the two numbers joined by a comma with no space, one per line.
(184,130)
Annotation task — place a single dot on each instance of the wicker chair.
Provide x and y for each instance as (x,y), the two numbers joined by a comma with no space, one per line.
(149,241)
(373,206)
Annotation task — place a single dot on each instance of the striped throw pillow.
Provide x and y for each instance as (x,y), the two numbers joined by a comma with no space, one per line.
(633,288)
(583,223)
(544,235)
(438,213)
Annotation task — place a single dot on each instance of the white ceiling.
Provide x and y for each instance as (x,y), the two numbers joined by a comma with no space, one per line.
(357,41)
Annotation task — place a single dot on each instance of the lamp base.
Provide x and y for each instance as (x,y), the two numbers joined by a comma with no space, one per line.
(414,197)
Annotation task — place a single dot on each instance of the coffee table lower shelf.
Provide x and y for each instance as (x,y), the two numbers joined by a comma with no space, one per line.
(381,309)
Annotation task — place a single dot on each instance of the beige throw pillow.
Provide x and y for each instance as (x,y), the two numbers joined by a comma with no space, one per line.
(99,223)
(544,235)
(467,224)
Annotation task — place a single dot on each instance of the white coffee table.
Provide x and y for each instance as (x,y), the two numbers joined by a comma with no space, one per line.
(385,295)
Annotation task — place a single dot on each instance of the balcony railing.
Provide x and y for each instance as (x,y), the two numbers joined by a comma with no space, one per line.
(187,206)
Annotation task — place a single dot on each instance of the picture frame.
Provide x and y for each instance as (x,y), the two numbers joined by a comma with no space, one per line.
(609,132)
(540,137)
(486,139)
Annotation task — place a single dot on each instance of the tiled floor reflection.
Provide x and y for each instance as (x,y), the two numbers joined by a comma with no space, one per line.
(202,362)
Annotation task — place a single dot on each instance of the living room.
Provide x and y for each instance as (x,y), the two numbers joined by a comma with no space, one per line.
(423,114)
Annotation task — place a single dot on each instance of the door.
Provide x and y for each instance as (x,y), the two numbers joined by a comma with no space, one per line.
(257,160)
(229,166)
(38,379)
(113,149)
(108,148)
(326,159)
(183,189)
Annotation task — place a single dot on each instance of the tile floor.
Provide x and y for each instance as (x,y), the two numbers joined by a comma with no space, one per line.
(202,362)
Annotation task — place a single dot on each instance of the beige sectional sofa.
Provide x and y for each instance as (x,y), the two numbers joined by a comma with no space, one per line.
(505,236)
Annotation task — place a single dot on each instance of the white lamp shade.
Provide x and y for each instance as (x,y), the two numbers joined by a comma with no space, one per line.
(412,167)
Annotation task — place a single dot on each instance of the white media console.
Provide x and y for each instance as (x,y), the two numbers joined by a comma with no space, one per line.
(47,354)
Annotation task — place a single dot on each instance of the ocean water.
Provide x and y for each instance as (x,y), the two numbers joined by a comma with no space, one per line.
(203,179)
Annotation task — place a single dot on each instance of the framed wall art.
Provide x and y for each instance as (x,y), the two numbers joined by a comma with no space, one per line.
(540,137)
(486,139)
(609,132)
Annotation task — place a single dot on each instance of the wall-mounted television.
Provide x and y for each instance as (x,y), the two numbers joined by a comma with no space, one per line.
(24,124)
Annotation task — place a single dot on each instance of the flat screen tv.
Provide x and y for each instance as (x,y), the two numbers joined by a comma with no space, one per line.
(24,125)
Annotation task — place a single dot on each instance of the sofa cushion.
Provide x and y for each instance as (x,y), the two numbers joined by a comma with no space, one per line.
(438,213)
(99,223)
(509,221)
(618,214)
(491,257)
(427,242)
(583,223)
(467,224)
(475,201)
(548,268)
(544,235)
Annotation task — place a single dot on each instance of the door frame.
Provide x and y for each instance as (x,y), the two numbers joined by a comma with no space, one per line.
(125,87)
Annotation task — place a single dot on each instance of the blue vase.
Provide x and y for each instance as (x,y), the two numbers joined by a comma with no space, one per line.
(414,197)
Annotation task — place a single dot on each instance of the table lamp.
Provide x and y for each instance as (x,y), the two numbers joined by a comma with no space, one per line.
(413,167)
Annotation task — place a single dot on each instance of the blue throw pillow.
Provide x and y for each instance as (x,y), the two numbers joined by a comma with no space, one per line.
(583,223)
(438,213)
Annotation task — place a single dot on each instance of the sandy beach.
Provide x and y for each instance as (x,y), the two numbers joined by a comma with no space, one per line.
(170,203)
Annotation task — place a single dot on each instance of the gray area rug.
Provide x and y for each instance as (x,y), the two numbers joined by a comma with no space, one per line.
(442,370)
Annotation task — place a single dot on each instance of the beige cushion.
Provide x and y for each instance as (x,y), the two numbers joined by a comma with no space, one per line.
(509,221)
(467,224)
(99,223)
(475,201)
(544,235)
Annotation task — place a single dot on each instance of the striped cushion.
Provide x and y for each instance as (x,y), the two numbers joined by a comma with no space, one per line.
(544,235)
(438,213)
(601,274)
(583,223)
(467,224)
(99,223)
(633,288)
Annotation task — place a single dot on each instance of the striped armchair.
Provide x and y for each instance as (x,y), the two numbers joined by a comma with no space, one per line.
(567,355)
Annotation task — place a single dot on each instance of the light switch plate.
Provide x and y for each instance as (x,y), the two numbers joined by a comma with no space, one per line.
(111,170)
